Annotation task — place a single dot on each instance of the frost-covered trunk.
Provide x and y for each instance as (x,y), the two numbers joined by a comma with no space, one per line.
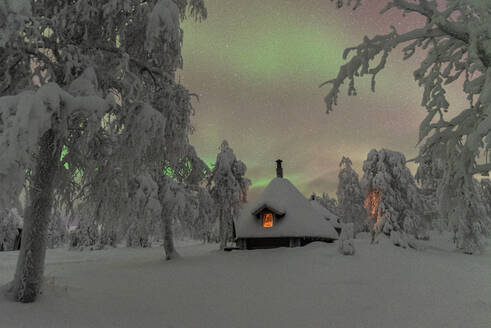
(30,264)
(223,230)
(227,233)
(345,242)
(168,233)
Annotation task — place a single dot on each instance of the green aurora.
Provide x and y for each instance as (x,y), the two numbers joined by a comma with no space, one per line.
(257,65)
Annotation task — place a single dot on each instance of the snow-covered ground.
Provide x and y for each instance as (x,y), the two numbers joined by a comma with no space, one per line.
(314,286)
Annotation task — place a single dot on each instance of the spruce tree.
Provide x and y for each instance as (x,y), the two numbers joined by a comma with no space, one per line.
(228,188)
(350,197)
(392,198)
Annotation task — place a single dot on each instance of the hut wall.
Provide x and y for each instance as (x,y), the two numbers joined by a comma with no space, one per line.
(258,243)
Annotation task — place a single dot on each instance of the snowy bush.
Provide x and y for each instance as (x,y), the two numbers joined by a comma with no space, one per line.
(345,241)
(85,236)
(10,224)
(138,236)
(89,231)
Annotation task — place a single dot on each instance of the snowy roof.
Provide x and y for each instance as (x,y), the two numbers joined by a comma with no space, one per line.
(300,219)
(326,214)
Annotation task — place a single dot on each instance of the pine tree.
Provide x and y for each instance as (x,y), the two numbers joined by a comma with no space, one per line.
(456,42)
(228,188)
(350,197)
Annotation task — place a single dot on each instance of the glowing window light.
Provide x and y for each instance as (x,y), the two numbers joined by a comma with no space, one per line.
(268,220)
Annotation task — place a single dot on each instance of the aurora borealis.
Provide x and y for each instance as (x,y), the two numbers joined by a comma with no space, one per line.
(257,65)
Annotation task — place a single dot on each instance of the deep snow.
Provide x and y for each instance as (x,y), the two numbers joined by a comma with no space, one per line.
(314,286)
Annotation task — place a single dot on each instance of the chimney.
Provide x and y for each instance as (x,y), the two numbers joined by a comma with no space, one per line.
(279,169)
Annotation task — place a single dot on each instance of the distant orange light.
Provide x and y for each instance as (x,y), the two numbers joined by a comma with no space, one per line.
(268,220)
(372,203)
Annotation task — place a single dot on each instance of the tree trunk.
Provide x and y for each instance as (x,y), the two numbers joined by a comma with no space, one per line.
(30,264)
(223,231)
(169,249)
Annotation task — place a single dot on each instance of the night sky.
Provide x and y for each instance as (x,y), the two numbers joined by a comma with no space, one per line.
(257,66)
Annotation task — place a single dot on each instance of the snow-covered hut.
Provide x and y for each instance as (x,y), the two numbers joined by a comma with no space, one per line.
(281,217)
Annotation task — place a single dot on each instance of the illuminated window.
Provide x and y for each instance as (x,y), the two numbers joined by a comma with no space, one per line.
(267,220)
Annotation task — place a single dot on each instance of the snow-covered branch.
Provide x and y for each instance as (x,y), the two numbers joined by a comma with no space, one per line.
(456,42)
(359,65)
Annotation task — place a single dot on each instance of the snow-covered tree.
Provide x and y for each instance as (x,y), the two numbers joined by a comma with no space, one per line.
(196,217)
(57,231)
(207,223)
(85,235)
(178,187)
(8,232)
(188,220)
(464,210)
(325,200)
(228,188)
(345,242)
(91,231)
(428,176)
(485,185)
(172,197)
(64,67)
(10,223)
(143,217)
(392,199)
(350,197)
(455,40)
